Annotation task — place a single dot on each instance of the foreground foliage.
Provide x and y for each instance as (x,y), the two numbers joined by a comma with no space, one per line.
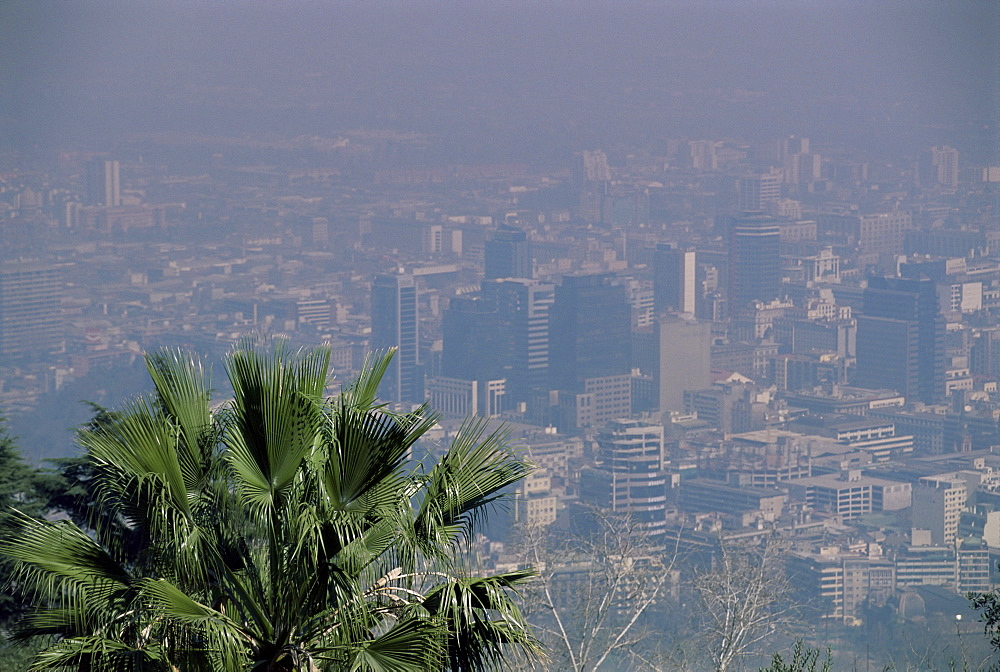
(21,486)
(989,606)
(280,531)
(803,659)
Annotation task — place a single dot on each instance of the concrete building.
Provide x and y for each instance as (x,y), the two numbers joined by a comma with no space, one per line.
(758,191)
(937,506)
(30,322)
(700,494)
(602,399)
(850,494)
(104,183)
(459,398)
(631,475)
(684,360)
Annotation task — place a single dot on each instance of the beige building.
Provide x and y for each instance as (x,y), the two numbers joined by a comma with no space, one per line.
(937,507)
(851,494)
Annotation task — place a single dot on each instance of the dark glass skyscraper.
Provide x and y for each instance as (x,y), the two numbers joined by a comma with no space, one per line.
(523,308)
(900,342)
(474,344)
(674,279)
(590,331)
(754,260)
(395,324)
(508,254)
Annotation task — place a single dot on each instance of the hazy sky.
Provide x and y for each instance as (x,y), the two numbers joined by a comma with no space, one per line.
(502,79)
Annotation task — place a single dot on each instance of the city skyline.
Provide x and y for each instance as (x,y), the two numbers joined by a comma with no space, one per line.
(727,273)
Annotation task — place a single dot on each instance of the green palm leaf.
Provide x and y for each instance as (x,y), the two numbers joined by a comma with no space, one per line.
(282,531)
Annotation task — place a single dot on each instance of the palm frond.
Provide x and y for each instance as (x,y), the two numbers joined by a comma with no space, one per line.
(486,628)
(275,415)
(472,473)
(182,388)
(412,644)
(280,531)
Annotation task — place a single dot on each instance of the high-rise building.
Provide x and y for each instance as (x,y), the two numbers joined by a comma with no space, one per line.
(473,344)
(634,476)
(758,190)
(508,254)
(937,506)
(945,166)
(30,324)
(395,324)
(674,279)
(754,260)
(523,308)
(593,167)
(103,184)
(900,341)
(684,360)
(799,164)
(590,331)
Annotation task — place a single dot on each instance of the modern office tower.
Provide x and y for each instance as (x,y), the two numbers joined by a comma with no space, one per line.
(395,324)
(523,308)
(508,254)
(473,342)
(30,324)
(754,260)
(674,279)
(590,333)
(759,190)
(937,506)
(634,479)
(103,183)
(900,341)
(684,359)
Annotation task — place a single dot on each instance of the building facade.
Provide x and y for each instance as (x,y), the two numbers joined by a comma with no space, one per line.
(395,324)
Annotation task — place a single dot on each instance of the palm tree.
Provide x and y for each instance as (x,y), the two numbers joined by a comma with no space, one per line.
(279,531)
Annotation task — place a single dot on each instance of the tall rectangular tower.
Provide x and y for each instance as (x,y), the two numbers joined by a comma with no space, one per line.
(937,506)
(757,191)
(632,451)
(946,165)
(104,184)
(395,324)
(508,254)
(674,279)
(30,324)
(684,360)
(754,260)
(900,342)
(473,344)
(590,332)
(523,308)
